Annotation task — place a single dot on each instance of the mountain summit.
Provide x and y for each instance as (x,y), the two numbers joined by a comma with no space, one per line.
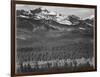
(43,20)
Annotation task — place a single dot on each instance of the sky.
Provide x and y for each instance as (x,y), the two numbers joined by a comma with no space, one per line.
(81,12)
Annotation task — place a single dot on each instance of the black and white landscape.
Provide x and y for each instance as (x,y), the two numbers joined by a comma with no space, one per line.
(50,38)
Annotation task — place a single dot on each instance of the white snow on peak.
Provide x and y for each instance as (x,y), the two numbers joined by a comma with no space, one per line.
(52,13)
(90,17)
(43,8)
(65,22)
(23,16)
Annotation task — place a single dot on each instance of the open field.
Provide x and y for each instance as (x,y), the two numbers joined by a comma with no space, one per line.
(54,50)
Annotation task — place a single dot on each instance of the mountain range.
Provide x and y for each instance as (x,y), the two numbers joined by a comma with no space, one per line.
(42,20)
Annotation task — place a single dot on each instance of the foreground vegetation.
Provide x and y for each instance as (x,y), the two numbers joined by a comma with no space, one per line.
(67,65)
(68,52)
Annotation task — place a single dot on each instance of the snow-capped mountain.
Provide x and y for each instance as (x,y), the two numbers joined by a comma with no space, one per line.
(90,20)
(90,17)
(41,19)
(45,14)
(51,15)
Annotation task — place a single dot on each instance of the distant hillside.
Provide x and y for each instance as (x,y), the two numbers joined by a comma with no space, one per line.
(42,20)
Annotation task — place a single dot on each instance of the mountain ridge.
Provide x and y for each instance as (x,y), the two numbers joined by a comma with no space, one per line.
(42,20)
